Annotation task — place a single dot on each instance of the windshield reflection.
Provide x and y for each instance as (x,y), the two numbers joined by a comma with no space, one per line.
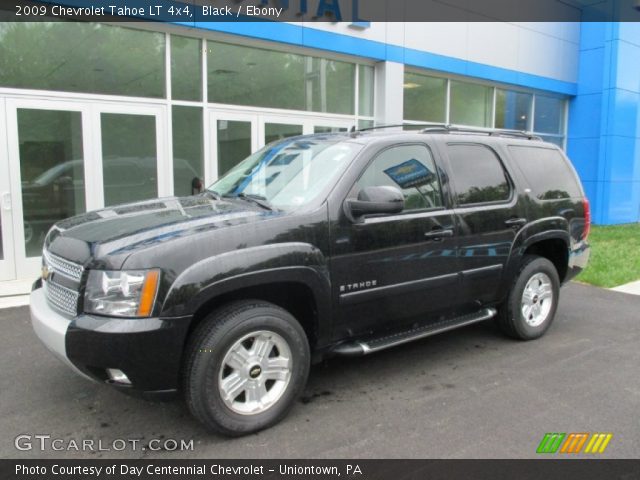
(289,173)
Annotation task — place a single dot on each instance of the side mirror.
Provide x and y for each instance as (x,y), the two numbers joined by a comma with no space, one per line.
(375,200)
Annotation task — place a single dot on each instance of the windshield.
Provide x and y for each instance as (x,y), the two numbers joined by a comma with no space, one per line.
(288,173)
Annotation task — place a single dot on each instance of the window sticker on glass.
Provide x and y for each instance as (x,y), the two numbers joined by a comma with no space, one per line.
(411,173)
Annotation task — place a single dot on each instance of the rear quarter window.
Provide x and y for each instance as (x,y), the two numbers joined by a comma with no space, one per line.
(546,172)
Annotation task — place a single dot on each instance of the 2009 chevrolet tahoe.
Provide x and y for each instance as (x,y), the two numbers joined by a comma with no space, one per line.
(314,246)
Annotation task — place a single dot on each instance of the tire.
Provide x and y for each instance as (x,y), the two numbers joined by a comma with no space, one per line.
(530,308)
(246,365)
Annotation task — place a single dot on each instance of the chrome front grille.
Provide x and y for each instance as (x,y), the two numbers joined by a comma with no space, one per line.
(62,266)
(62,283)
(62,298)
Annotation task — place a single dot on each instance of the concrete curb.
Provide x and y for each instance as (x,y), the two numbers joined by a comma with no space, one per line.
(632,288)
(14,301)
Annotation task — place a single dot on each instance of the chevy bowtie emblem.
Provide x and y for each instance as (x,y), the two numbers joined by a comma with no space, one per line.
(45,272)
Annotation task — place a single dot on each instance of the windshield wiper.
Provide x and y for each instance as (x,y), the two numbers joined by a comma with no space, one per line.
(253,198)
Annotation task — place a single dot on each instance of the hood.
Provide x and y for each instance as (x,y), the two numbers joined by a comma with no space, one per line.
(119,230)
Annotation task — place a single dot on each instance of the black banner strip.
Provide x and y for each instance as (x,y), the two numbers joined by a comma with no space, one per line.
(358,12)
(543,468)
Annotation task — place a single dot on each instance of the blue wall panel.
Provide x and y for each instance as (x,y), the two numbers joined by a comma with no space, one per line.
(604,129)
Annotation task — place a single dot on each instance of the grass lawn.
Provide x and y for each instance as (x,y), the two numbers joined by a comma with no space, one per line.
(615,255)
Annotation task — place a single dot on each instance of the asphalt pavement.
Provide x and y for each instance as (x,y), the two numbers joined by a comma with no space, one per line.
(469,393)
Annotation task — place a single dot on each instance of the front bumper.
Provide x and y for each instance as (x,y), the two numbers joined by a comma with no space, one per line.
(51,328)
(148,351)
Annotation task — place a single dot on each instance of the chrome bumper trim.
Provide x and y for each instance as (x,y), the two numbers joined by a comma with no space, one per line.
(51,328)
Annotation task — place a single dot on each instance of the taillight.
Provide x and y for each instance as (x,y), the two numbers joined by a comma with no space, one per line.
(587,218)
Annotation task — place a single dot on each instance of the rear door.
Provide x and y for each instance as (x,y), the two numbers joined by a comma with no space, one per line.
(387,270)
(488,216)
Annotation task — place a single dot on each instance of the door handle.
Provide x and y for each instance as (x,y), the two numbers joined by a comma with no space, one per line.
(6,201)
(515,222)
(438,234)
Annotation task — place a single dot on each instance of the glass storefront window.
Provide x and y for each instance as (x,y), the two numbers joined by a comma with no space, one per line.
(330,86)
(51,171)
(82,57)
(234,144)
(129,157)
(471,104)
(240,75)
(254,77)
(365,90)
(186,68)
(323,129)
(556,139)
(425,98)
(188,165)
(278,131)
(365,124)
(549,115)
(513,110)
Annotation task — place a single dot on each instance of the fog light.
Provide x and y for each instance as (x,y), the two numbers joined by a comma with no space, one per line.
(118,376)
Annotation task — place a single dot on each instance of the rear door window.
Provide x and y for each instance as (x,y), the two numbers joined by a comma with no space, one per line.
(477,174)
(546,172)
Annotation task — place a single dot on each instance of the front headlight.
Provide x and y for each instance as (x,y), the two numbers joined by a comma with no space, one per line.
(121,293)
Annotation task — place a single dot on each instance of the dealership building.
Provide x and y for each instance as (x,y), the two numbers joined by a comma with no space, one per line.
(97,114)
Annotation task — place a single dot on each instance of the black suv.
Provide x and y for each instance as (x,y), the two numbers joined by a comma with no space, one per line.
(314,246)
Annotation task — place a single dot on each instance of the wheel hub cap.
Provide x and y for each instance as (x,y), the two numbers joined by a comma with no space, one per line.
(255,372)
(537,299)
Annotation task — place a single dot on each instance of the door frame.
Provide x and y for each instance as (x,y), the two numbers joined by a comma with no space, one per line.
(7,263)
(90,111)
(211,165)
(164,161)
(265,118)
(30,266)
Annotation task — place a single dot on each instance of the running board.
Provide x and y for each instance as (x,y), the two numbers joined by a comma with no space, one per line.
(375,344)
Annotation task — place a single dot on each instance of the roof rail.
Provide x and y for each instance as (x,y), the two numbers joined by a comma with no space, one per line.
(493,132)
(403,125)
(448,128)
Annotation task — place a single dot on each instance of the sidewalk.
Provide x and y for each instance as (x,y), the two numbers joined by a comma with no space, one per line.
(633,288)
(15,293)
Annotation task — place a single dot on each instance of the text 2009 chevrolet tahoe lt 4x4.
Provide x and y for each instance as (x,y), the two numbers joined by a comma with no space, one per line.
(321,245)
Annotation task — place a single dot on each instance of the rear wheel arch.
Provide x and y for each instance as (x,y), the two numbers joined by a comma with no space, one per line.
(556,250)
(550,244)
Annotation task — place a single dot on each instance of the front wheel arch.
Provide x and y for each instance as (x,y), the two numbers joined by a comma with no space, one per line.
(208,349)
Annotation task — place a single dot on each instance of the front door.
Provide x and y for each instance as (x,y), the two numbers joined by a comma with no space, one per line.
(390,270)
(69,157)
